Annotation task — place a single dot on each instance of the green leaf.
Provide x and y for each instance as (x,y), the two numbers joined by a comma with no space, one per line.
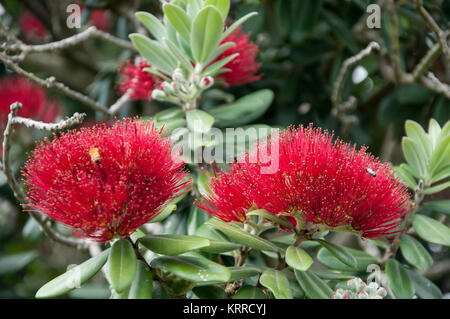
(404,175)
(271,217)
(249,292)
(154,53)
(312,285)
(242,272)
(340,253)
(298,259)
(199,121)
(440,157)
(169,209)
(218,247)
(169,114)
(415,253)
(436,189)
(304,18)
(242,237)
(182,58)
(440,206)
(192,268)
(413,155)
(153,24)
(331,274)
(210,292)
(363,260)
(341,30)
(236,24)
(213,69)
(243,110)
(172,245)
(441,174)
(431,230)
(206,32)
(31,231)
(13,263)
(179,19)
(73,278)
(196,218)
(222,5)
(142,286)
(416,132)
(398,279)
(277,283)
(122,265)
(424,288)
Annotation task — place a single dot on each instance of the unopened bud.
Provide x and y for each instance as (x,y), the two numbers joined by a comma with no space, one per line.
(178,75)
(158,94)
(206,82)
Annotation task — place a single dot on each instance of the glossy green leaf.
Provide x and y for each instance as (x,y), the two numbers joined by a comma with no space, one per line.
(154,53)
(271,217)
(277,283)
(415,253)
(431,230)
(440,206)
(244,110)
(210,292)
(199,121)
(196,218)
(206,33)
(73,278)
(218,247)
(249,292)
(298,259)
(179,19)
(169,209)
(363,260)
(172,245)
(242,237)
(340,253)
(424,288)
(153,24)
(142,286)
(312,285)
(122,265)
(398,279)
(192,268)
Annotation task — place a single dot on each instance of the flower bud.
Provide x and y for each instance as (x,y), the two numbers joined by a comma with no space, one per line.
(206,82)
(363,295)
(158,95)
(178,75)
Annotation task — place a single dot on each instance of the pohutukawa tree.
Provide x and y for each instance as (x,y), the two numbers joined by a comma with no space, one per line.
(198,180)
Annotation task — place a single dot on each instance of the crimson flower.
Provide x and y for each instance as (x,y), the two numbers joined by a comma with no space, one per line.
(244,67)
(318,181)
(100,19)
(134,78)
(32,26)
(104,182)
(36,104)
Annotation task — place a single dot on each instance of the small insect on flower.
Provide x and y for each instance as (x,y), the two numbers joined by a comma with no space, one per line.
(371,172)
(95,155)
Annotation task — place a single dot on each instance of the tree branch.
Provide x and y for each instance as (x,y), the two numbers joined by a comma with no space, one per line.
(11,179)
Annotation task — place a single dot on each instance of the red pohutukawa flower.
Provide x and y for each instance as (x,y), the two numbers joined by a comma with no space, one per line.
(32,26)
(100,19)
(323,182)
(36,104)
(244,67)
(134,78)
(104,182)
